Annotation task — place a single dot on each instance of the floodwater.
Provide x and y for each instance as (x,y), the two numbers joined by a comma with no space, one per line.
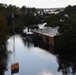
(32,60)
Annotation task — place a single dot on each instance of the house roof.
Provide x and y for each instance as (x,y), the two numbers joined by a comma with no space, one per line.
(48,31)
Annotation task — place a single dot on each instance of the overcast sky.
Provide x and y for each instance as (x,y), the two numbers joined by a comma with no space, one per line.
(40,3)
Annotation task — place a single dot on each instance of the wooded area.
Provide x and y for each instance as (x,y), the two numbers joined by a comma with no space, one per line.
(25,16)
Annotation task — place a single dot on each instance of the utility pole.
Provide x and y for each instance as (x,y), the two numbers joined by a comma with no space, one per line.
(13,22)
(13,32)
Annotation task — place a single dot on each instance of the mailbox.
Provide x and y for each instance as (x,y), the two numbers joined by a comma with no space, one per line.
(14,68)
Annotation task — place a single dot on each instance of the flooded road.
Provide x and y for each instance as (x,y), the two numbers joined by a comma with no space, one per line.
(32,60)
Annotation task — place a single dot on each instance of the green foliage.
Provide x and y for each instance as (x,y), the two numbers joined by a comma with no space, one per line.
(3,29)
(23,9)
(53,20)
(67,32)
(2,7)
(23,16)
(70,10)
(30,19)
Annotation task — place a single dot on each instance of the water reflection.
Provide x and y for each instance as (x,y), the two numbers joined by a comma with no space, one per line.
(67,62)
(34,60)
(66,59)
(27,42)
(38,42)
